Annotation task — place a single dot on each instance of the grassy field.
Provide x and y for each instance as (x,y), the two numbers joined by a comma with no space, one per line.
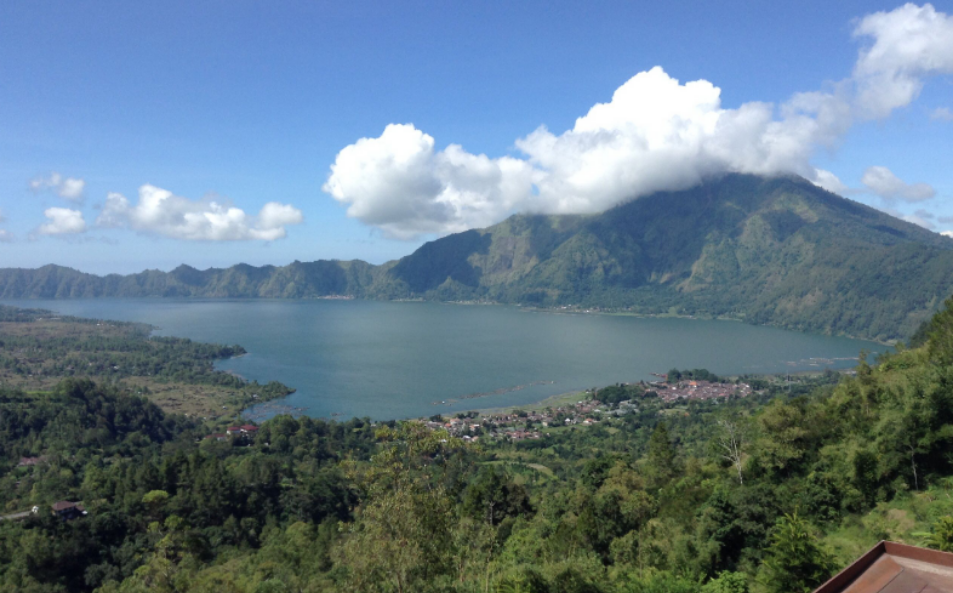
(198,400)
(205,401)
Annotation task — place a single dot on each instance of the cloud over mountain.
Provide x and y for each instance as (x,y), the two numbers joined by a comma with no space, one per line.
(399,183)
(655,133)
(160,212)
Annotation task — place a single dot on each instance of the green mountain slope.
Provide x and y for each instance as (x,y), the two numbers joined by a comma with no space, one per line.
(778,251)
(296,280)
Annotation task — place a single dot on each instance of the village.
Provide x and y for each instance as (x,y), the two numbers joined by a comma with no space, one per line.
(700,390)
(519,425)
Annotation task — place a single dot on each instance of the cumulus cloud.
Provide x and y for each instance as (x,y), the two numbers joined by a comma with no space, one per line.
(910,43)
(160,212)
(942,114)
(882,181)
(947,234)
(655,133)
(62,221)
(398,183)
(68,188)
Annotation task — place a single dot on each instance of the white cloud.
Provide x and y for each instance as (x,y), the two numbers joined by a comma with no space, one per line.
(882,181)
(399,184)
(160,212)
(910,43)
(68,188)
(942,114)
(654,134)
(62,221)
(947,234)
(830,182)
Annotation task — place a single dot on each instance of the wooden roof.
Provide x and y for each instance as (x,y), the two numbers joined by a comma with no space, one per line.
(895,568)
(64,505)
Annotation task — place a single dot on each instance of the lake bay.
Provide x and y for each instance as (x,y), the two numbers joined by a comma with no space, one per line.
(402,359)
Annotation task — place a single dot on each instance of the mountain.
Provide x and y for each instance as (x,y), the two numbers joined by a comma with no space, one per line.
(779,251)
(775,251)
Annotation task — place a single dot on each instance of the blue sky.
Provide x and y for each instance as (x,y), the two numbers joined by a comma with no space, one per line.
(135,136)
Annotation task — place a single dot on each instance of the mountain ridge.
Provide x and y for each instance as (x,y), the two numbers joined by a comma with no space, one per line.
(777,251)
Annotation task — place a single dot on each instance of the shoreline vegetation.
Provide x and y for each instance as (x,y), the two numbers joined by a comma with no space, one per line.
(39,348)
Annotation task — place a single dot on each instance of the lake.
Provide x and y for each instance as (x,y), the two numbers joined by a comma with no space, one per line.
(398,360)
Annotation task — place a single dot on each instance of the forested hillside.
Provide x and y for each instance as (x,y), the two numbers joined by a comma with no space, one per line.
(768,493)
(777,251)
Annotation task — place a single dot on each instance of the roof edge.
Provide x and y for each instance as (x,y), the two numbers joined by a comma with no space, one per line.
(840,580)
(845,577)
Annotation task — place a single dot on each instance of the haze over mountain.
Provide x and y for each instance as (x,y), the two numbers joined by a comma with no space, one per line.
(779,251)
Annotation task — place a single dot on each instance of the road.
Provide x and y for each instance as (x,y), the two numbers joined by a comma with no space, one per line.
(15,516)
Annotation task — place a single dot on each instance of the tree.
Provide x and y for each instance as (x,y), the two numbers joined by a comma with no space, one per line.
(403,532)
(493,497)
(660,460)
(783,441)
(940,335)
(941,535)
(730,443)
(524,581)
(727,582)
(795,561)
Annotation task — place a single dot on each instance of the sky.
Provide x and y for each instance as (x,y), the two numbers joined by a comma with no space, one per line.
(146,135)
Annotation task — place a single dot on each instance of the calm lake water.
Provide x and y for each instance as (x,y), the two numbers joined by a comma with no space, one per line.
(395,360)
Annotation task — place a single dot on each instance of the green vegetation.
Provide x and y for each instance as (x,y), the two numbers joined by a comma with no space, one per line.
(767,493)
(39,348)
(775,251)
(675,375)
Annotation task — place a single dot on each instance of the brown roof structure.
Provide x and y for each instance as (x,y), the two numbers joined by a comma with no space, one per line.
(895,568)
(65,505)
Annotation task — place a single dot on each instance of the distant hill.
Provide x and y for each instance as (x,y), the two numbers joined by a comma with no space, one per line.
(778,251)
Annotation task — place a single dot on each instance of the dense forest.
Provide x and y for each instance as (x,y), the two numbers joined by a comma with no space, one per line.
(769,493)
(777,251)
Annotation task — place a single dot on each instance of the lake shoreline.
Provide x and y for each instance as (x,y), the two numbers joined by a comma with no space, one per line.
(571,310)
(383,360)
